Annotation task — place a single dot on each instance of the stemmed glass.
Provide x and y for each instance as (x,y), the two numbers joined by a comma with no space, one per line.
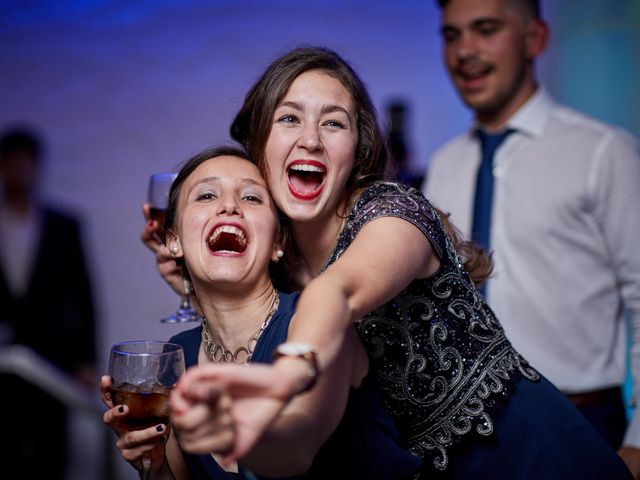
(158,199)
(142,375)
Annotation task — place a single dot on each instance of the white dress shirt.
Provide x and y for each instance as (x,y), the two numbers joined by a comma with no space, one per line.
(19,237)
(565,232)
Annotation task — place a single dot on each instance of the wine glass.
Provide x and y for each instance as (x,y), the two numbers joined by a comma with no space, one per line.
(158,199)
(142,375)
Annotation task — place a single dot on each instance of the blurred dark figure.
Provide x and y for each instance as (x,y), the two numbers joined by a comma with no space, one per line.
(398,145)
(46,304)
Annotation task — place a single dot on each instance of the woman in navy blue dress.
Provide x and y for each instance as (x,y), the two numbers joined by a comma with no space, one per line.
(222,227)
(376,254)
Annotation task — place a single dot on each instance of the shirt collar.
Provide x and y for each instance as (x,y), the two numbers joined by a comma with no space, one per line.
(532,117)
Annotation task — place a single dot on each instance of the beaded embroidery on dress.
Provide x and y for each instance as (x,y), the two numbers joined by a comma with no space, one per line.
(441,356)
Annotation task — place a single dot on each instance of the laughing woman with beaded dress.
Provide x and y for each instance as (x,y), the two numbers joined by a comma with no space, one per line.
(376,254)
(222,227)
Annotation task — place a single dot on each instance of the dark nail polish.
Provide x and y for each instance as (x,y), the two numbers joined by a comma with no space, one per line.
(160,428)
(121,409)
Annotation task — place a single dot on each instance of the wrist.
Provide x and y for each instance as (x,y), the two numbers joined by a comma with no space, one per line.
(298,363)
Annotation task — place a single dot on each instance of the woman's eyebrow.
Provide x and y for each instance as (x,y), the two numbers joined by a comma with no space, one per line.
(291,104)
(214,179)
(330,108)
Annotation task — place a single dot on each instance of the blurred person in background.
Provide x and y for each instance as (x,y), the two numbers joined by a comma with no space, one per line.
(47,305)
(561,196)
(399,145)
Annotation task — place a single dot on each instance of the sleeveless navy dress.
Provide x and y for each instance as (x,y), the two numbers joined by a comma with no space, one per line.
(465,400)
(366,443)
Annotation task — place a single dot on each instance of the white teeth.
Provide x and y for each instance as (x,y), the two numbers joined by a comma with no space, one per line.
(228,229)
(473,72)
(306,168)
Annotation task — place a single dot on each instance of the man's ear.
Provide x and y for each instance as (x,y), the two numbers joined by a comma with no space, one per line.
(537,38)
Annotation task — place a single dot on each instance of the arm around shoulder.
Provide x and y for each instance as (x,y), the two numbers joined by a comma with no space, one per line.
(386,255)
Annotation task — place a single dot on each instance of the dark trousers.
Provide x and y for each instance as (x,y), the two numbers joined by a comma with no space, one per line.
(34,440)
(606,412)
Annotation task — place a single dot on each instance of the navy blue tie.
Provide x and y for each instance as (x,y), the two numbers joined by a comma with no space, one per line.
(483,202)
(484,187)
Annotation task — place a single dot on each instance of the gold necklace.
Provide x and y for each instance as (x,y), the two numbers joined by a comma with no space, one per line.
(217,352)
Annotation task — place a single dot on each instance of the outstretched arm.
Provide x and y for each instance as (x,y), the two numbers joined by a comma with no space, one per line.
(369,273)
(386,255)
(207,421)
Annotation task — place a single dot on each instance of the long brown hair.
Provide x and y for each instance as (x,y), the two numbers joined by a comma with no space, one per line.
(252,126)
(477,262)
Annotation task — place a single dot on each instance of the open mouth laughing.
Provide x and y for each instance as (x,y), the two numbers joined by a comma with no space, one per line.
(227,239)
(306,178)
(472,74)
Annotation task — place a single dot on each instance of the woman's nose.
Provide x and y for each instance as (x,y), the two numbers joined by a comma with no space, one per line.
(229,205)
(310,137)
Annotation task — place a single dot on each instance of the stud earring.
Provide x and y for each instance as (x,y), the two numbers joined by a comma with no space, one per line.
(174,249)
(279,253)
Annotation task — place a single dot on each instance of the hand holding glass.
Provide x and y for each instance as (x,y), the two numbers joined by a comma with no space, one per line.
(158,199)
(142,375)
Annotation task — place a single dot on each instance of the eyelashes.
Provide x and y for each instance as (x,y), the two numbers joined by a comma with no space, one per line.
(247,197)
(292,119)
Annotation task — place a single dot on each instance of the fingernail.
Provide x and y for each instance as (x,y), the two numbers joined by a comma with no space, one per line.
(121,409)
(160,428)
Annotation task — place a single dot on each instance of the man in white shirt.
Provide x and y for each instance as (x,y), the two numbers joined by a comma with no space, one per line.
(564,219)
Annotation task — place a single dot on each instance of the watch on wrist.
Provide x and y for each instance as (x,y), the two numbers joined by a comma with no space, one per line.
(307,353)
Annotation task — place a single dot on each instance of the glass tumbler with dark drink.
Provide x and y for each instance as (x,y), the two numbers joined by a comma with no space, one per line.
(158,199)
(146,407)
(142,375)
